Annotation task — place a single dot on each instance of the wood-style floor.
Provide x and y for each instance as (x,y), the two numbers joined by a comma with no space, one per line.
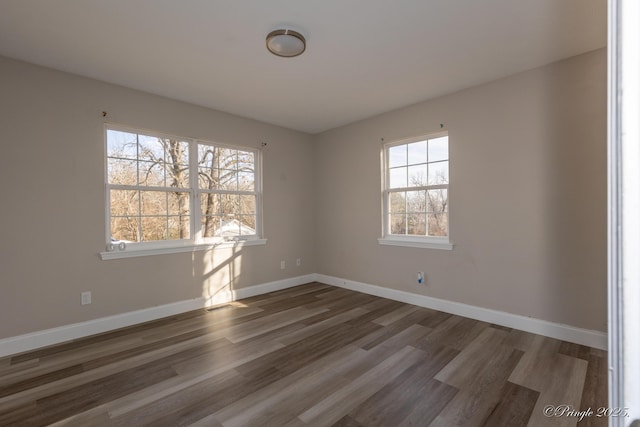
(311,355)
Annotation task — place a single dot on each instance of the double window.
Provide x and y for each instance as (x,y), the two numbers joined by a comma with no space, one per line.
(416,192)
(167,191)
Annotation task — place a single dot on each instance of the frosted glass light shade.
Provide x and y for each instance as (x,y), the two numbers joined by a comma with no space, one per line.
(286,43)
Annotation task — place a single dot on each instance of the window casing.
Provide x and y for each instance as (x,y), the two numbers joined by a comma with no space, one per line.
(416,192)
(169,192)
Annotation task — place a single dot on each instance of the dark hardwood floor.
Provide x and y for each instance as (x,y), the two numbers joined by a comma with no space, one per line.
(311,355)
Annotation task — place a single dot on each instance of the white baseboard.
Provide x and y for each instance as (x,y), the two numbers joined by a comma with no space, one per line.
(559,331)
(31,341)
(34,340)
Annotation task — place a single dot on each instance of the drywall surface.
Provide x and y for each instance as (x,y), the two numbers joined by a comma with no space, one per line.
(52,221)
(527,196)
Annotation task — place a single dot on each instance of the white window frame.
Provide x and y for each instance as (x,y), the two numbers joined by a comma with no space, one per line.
(413,241)
(196,242)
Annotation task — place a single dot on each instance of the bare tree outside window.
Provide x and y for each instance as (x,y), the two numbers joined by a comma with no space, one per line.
(150,192)
(227,180)
(149,195)
(416,188)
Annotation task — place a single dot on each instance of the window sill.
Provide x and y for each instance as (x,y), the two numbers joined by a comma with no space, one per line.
(413,242)
(133,253)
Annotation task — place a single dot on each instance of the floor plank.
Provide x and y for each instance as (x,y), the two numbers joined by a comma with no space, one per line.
(515,406)
(414,398)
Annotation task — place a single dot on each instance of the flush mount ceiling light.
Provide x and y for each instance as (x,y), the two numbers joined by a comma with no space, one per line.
(286,43)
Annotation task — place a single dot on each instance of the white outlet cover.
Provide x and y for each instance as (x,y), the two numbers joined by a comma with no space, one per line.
(85,298)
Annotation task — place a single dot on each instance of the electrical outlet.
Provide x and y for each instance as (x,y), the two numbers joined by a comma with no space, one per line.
(282,265)
(85,298)
(420,277)
(298,262)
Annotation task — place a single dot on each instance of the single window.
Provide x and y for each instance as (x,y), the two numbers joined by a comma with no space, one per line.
(416,192)
(165,191)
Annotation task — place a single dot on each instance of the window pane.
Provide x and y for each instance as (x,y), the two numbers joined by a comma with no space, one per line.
(398,178)
(439,149)
(226,180)
(177,176)
(438,201)
(417,176)
(210,224)
(438,224)
(210,204)
(207,178)
(417,224)
(154,228)
(178,203)
(122,172)
(246,161)
(122,144)
(153,203)
(247,204)
(229,226)
(229,205)
(227,158)
(438,173)
(178,227)
(246,181)
(206,156)
(124,228)
(177,152)
(397,202)
(177,163)
(151,148)
(152,174)
(207,167)
(124,202)
(397,224)
(417,152)
(416,201)
(247,225)
(397,156)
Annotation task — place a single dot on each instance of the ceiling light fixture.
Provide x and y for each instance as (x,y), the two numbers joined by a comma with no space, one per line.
(286,43)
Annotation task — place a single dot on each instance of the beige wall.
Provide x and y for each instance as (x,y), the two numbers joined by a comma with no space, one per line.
(52,202)
(527,196)
(528,199)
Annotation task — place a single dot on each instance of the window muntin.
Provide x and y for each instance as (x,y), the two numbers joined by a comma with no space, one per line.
(416,185)
(163,189)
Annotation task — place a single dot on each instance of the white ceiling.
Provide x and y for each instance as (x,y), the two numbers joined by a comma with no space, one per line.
(364,57)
